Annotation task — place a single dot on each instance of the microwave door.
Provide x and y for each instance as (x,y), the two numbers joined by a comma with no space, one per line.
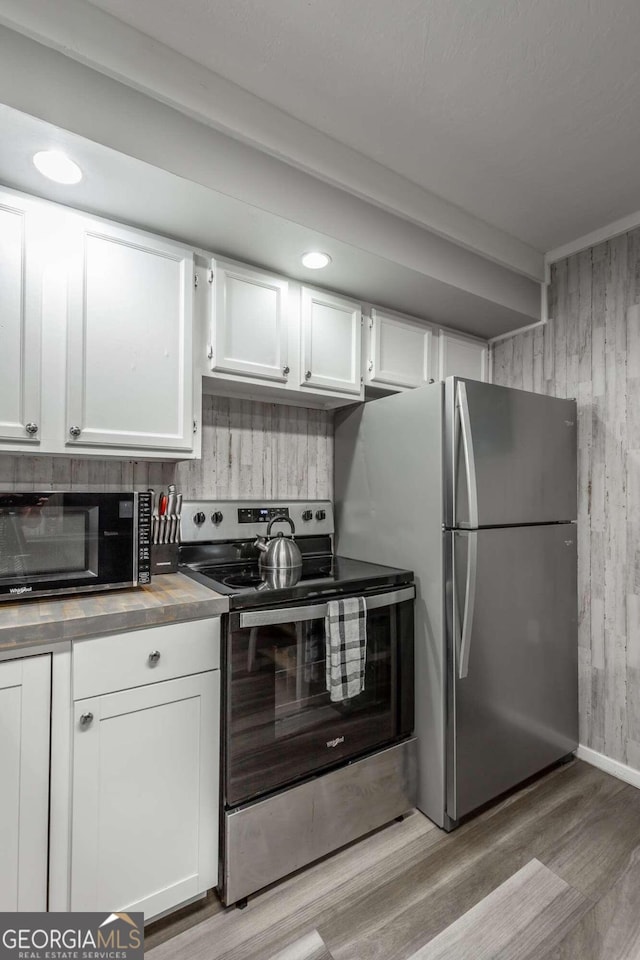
(13,549)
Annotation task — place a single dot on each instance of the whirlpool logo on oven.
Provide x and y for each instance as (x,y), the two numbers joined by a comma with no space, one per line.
(336,742)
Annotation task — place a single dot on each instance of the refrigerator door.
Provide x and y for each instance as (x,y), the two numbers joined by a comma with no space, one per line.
(510,456)
(512,658)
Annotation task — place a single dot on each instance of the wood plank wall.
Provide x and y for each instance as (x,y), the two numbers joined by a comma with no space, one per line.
(260,450)
(249,449)
(590,350)
(22,472)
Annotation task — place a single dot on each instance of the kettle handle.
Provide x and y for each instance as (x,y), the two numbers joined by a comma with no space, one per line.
(278,520)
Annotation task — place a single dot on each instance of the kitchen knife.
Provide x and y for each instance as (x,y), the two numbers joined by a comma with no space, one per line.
(178,516)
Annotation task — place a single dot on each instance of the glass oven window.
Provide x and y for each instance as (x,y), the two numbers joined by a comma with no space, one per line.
(48,541)
(281,723)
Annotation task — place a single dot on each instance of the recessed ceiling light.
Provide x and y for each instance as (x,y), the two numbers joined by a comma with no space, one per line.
(57,166)
(315,260)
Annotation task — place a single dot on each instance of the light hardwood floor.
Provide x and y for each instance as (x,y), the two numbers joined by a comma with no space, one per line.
(551,873)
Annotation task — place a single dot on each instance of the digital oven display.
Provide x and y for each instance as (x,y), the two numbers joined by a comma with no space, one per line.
(261,514)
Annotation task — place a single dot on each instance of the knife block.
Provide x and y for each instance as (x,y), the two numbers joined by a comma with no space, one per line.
(164,558)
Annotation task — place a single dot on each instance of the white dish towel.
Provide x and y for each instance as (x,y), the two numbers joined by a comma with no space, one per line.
(346,653)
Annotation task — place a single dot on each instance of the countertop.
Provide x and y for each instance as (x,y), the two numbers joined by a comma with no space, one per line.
(169,598)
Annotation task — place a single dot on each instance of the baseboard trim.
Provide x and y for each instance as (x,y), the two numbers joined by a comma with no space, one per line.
(614,767)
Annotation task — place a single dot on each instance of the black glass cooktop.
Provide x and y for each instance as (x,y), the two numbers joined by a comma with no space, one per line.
(247,585)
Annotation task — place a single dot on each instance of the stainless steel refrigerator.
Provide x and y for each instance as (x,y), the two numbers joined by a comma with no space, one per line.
(473,486)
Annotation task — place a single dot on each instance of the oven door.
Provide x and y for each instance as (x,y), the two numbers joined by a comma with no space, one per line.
(280,722)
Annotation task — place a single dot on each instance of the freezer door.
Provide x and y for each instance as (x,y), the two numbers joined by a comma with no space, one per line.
(510,456)
(512,658)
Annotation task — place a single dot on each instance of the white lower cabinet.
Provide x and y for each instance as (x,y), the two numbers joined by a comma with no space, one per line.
(145,796)
(25,697)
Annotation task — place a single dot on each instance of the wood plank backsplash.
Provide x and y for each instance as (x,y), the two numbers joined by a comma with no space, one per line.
(260,450)
(249,449)
(590,350)
(23,472)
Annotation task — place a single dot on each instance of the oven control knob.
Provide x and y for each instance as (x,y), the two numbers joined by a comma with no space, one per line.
(199,517)
(216,517)
(307,514)
(321,514)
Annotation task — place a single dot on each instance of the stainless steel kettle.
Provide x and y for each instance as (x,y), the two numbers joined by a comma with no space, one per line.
(279,552)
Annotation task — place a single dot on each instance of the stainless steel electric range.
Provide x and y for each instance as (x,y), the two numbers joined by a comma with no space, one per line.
(301,775)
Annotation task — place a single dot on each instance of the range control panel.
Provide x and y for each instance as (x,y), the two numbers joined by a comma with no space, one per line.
(206,521)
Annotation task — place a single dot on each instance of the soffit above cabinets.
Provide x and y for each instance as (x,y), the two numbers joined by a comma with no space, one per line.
(134,192)
(113,48)
(131,191)
(524,114)
(488,120)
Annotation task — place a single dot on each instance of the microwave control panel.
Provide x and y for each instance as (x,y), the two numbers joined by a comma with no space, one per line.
(144,537)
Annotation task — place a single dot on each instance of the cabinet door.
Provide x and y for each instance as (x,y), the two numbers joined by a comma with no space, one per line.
(145,796)
(129,370)
(20,323)
(461,356)
(249,326)
(331,337)
(399,352)
(25,697)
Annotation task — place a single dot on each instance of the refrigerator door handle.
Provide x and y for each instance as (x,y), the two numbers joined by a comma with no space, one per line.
(469,603)
(462,404)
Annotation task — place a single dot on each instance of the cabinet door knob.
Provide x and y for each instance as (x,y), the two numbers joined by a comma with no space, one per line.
(31,428)
(307,375)
(285,371)
(154,656)
(75,432)
(86,719)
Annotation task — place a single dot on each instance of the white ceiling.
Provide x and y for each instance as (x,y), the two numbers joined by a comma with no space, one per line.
(525,114)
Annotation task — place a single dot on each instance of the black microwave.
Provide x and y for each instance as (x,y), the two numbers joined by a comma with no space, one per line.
(60,542)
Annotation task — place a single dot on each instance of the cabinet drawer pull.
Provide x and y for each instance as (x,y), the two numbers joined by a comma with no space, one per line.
(86,719)
(285,371)
(75,432)
(307,375)
(31,428)
(154,656)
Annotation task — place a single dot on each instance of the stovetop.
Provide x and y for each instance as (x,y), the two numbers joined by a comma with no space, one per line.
(247,586)
(219,550)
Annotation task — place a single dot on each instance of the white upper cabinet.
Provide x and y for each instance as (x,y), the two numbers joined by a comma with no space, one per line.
(249,324)
(20,323)
(461,356)
(25,696)
(330,342)
(129,369)
(399,353)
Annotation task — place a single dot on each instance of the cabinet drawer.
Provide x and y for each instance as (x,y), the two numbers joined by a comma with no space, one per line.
(123,660)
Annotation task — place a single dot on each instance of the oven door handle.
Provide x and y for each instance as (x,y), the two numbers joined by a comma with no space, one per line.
(263,618)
